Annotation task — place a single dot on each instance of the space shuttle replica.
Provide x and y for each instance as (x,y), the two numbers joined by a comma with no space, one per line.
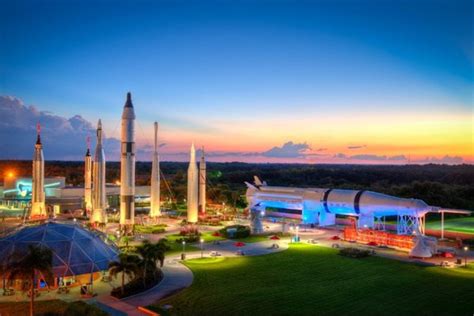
(155,179)
(202,183)
(192,194)
(99,198)
(88,179)
(38,203)
(127,165)
(320,206)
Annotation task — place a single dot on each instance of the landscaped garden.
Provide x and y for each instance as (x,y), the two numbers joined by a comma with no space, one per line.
(150,229)
(309,280)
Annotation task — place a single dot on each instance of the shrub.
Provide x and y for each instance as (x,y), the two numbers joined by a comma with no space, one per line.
(241,231)
(468,242)
(189,231)
(136,285)
(188,239)
(152,229)
(354,252)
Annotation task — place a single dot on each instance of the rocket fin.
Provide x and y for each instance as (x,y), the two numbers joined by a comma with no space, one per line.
(257,181)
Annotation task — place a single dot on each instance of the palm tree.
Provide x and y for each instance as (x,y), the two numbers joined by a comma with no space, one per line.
(151,254)
(160,249)
(127,264)
(145,251)
(26,266)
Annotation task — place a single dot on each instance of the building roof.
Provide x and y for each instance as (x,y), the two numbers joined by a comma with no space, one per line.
(76,250)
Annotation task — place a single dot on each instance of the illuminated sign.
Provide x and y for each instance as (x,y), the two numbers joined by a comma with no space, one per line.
(24,188)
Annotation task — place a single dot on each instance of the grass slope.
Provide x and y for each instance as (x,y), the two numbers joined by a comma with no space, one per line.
(311,280)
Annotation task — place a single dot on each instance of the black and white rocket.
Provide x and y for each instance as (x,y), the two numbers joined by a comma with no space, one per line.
(99,198)
(155,179)
(127,164)
(38,204)
(202,183)
(192,196)
(88,178)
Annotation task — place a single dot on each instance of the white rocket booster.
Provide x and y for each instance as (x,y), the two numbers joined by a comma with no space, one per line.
(202,183)
(88,178)
(127,165)
(192,196)
(155,179)
(38,205)
(99,199)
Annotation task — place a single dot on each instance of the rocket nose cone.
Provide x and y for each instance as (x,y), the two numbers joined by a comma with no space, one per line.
(128,103)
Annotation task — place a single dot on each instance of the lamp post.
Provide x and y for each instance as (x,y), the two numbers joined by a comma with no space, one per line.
(202,249)
(466,248)
(297,236)
(183,255)
(291,229)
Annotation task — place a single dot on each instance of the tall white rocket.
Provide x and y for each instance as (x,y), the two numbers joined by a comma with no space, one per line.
(99,198)
(155,179)
(88,178)
(127,165)
(38,204)
(192,196)
(202,183)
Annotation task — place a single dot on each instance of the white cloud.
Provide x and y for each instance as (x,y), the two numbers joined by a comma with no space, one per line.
(288,150)
(62,138)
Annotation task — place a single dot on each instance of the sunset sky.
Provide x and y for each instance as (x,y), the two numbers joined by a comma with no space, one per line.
(255,81)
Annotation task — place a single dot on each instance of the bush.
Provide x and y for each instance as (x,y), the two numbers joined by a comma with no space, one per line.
(468,242)
(188,239)
(240,231)
(136,285)
(152,229)
(354,252)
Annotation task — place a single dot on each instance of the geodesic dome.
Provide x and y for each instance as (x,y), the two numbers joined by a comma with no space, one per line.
(76,250)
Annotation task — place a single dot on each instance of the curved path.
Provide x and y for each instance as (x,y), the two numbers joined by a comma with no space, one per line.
(177,276)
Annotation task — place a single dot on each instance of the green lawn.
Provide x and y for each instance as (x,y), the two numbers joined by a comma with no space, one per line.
(459,224)
(312,280)
(207,236)
(178,248)
(258,238)
(253,238)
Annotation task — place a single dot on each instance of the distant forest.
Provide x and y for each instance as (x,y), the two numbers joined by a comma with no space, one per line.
(437,185)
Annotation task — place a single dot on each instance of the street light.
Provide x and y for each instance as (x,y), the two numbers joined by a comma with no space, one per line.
(466,248)
(202,249)
(183,255)
(291,229)
(297,230)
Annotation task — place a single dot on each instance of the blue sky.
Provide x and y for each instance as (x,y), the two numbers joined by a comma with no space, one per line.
(206,68)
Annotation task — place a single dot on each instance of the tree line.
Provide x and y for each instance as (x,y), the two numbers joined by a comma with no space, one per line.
(438,185)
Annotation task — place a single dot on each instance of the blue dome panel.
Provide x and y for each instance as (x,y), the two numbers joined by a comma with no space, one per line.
(76,250)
